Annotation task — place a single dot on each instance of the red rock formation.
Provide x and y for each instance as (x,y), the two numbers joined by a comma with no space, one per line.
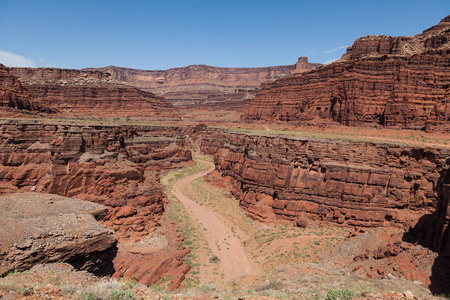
(303,65)
(384,255)
(13,95)
(148,267)
(115,166)
(434,230)
(88,92)
(205,85)
(389,81)
(345,182)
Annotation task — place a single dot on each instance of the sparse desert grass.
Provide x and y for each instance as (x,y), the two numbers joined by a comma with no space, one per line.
(289,281)
(108,289)
(344,294)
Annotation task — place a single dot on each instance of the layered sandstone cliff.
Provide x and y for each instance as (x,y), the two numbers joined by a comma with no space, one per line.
(345,182)
(117,166)
(206,85)
(13,95)
(381,80)
(88,92)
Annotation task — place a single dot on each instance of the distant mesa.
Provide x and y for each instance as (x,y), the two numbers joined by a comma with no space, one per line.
(86,92)
(197,85)
(380,81)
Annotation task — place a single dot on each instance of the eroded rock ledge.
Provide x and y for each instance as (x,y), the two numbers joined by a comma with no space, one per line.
(37,228)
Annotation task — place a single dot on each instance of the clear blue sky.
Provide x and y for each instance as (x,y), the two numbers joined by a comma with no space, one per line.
(173,33)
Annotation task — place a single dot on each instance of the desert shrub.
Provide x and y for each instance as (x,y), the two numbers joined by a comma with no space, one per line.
(87,296)
(271,285)
(120,294)
(24,291)
(109,290)
(214,259)
(340,295)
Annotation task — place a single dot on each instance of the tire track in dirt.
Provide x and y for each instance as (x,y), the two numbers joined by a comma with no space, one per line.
(224,245)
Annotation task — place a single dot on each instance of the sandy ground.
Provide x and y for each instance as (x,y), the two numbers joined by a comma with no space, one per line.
(232,260)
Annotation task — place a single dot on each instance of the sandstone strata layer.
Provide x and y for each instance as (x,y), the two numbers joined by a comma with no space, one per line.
(115,166)
(87,93)
(381,80)
(206,85)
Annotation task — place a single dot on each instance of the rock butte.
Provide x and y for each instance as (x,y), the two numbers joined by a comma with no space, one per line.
(200,85)
(381,81)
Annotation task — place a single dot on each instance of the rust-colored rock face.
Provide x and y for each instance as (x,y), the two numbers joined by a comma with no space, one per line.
(353,183)
(12,94)
(115,166)
(206,85)
(388,81)
(87,93)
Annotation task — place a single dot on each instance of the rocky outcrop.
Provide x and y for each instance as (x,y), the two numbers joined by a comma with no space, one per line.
(434,230)
(88,92)
(37,228)
(378,254)
(344,182)
(152,258)
(13,95)
(434,38)
(205,85)
(117,166)
(387,81)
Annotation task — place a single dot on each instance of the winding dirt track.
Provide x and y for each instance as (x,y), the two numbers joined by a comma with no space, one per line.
(233,260)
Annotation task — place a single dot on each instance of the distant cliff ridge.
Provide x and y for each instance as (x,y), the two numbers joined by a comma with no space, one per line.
(85,92)
(205,85)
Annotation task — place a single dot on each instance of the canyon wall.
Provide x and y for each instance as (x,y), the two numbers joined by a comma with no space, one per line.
(117,166)
(13,95)
(206,85)
(345,182)
(381,80)
(88,92)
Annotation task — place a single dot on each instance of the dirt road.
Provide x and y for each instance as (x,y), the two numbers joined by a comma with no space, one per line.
(233,260)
